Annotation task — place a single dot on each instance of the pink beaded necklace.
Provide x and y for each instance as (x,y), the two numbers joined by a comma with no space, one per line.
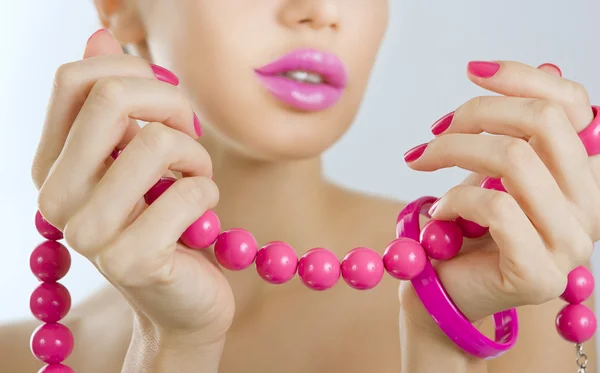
(362,268)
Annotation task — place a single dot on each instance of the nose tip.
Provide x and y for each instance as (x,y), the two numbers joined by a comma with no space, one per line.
(316,14)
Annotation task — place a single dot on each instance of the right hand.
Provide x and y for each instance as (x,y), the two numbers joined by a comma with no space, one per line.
(99,204)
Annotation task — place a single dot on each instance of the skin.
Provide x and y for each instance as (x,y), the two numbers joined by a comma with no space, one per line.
(169,308)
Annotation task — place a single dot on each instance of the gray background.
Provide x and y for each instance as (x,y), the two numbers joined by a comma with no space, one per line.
(420,76)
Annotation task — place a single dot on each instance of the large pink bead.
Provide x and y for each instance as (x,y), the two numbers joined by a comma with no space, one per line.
(404,258)
(362,268)
(50,261)
(576,323)
(236,249)
(580,286)
(51,343)
(319,269)
(158,189)
(56,368)
(441,239)
(50,302)
(47,230)
(470,229)
(203,232)
(276,262)
(493,183)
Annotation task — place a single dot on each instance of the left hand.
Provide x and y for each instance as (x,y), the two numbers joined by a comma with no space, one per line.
(546,224)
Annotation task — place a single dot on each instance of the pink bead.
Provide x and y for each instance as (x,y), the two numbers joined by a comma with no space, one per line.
(276,262)
(441,239)
(56,368)
(493,183)
(158,189)
(46,229)
(115,154)
(319,269)
(404,258)
(362,268)
(576,323)
(51,343)
(50,261)
(236,249)
(580,286)
(203,232)
(471,229)
(50,302)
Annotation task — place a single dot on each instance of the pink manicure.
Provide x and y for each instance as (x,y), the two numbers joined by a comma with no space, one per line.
(553,66)
(94,34)
(164,75)
(415,153)
(483,69)
(197,126)
(442,124)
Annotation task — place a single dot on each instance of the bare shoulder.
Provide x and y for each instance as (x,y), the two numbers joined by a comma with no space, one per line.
(101,323)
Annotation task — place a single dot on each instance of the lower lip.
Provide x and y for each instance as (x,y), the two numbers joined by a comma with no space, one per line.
(301,96)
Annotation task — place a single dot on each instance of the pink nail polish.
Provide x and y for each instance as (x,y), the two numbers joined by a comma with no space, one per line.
(442,124)
(164,75)
(483,69)
(94,34)
(433,207)
(197,126)
(553,66)
(415,153)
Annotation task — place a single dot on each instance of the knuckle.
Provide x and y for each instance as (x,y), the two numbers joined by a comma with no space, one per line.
(108,90)
(65,75)
(81,234)
(576,93)
(194,190)
(546,112)
(582,248)
(473,105)
(156,137)
(517,154)
(502,206)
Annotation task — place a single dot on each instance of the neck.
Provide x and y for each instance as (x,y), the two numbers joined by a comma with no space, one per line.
(273,200)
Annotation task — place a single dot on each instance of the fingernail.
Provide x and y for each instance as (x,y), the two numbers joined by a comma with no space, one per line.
(433,207)
(164,75)
(94,34)
(442,124)
(553,66)
(483,69)
(197,126)
(415,153)
(115,154)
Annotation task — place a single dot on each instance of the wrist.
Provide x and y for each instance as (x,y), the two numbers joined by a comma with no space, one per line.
(426,348)
(153,350)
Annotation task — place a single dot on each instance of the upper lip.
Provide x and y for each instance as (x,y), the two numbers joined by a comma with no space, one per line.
(328,65)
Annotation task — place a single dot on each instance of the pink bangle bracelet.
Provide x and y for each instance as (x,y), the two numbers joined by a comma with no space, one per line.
(438,303)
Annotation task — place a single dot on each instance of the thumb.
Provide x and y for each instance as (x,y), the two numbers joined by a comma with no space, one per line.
(102,43)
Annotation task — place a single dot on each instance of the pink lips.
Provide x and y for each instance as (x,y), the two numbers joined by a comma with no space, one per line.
(305,96)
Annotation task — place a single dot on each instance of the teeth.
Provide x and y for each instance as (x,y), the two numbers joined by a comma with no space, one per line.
(305,77)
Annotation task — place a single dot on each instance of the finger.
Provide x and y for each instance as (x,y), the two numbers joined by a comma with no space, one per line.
(65,101)
(545,125)
(570,244)
(516,79)
(72,84)
(152,237)
(109,209)
(99,127)
(522,172)
(102,43)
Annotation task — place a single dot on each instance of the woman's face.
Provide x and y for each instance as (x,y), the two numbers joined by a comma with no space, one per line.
(275,79)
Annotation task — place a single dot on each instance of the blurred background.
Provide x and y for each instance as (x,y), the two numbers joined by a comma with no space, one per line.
(420,75)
